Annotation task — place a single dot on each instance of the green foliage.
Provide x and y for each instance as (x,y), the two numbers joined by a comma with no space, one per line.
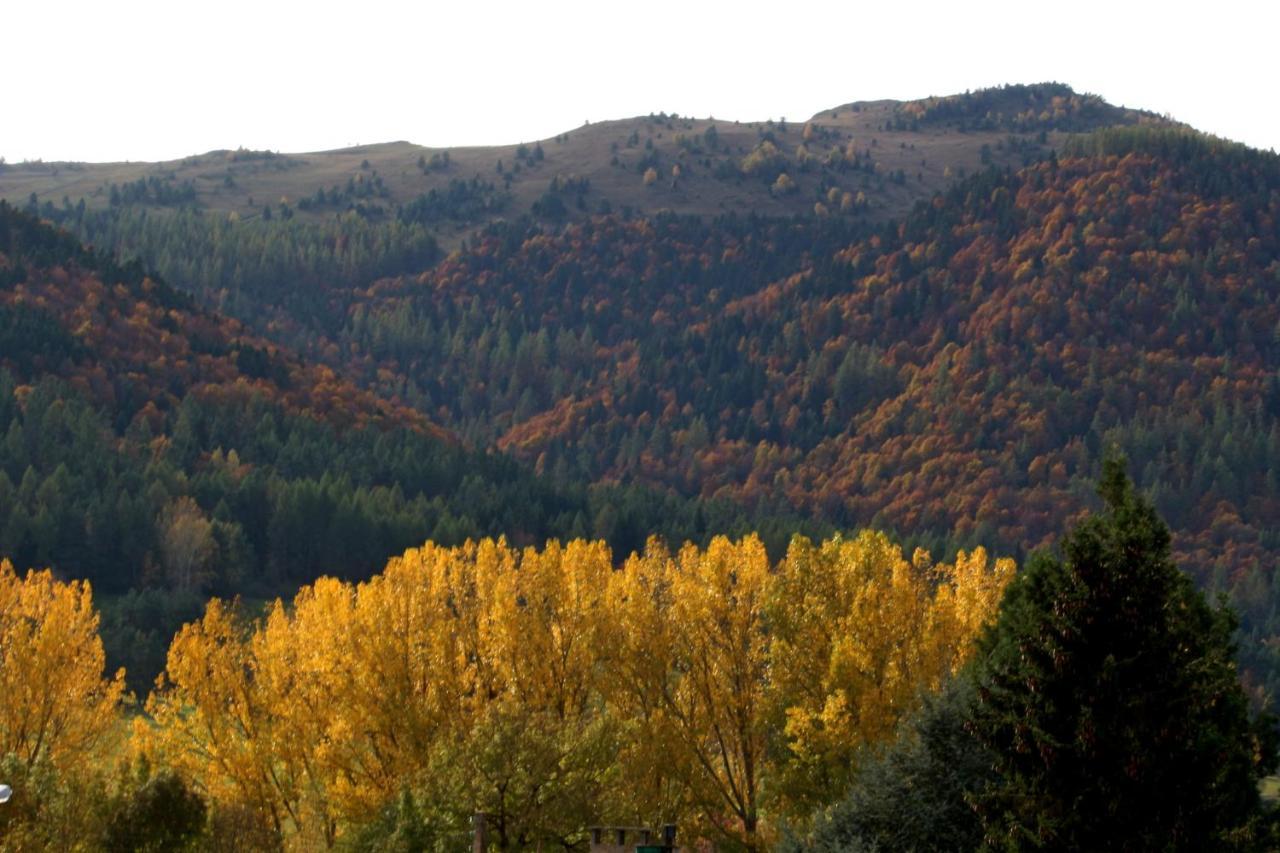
(460,201)
(403,827)
(1109,698)
(240,265)
(348,197)
(914,794)
(31,337)
(138,625)
(550,206)
(1103,713)
(47,810)
(156,190)
(1020,108)
(161,815)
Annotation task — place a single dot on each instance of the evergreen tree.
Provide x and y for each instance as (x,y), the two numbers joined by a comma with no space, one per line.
(1108,693)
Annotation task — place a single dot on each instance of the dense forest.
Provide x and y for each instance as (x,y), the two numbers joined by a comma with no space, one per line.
(840,698)
(954,376)
(695,511)
(163,453)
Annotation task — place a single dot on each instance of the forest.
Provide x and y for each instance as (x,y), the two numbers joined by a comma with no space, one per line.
(695,515)
(812,703)
(165,453)
(953,377)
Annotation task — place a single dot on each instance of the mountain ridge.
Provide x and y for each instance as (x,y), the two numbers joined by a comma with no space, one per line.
(893,153)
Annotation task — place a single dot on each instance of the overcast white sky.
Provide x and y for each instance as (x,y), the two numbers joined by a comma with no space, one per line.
(144,80)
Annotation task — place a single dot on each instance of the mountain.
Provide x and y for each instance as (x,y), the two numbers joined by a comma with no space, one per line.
(956,372)
(955,377)
(281,242)
(164,452)
(946,357)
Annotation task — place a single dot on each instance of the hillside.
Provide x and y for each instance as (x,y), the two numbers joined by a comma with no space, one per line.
(955,377)
(133,344)
(282,242)
(953,373)
(885,154)
(163,452)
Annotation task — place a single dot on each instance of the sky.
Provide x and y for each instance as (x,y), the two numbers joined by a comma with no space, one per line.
(142,80)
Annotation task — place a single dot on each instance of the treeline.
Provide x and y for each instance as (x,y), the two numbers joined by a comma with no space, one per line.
(840,698)
(546,688)
(244,498)
(1019,108)
(157,190)
(460,201)
(296,273)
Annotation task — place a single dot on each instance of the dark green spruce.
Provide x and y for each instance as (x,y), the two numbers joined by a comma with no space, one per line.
(1108,694)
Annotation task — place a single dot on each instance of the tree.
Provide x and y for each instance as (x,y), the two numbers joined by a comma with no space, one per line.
(551,691)
(691,663)
(214,725)
(857,634)
(162,814)
(1109,695)
(914,793)
(186,544)
(55,704)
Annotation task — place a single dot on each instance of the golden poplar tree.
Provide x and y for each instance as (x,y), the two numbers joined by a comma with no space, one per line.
(541,747)
(552,691)
(857,634)
(217,721)
(56,706)
(693,665)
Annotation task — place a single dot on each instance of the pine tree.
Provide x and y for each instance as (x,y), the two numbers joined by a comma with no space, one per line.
(1109,694)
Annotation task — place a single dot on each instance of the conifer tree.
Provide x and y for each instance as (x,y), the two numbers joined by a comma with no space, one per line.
(1109,695)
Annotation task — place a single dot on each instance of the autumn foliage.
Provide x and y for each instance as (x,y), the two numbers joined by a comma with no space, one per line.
(553,691)
(56,706)
(956,375)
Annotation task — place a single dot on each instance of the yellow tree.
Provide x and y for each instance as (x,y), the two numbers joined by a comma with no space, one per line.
(541,748)
(299,661)
(186,544)
(216,724)
(55,704)
(551,691)
(858,633)
(692,665)
(405,663)
(469,674)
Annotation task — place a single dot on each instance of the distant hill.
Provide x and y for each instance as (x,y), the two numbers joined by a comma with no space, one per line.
(947,356)
(134,344)
(281,241)
(885,154)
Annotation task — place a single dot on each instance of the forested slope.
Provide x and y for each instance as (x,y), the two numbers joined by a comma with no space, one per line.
(163,452)
(955,376)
